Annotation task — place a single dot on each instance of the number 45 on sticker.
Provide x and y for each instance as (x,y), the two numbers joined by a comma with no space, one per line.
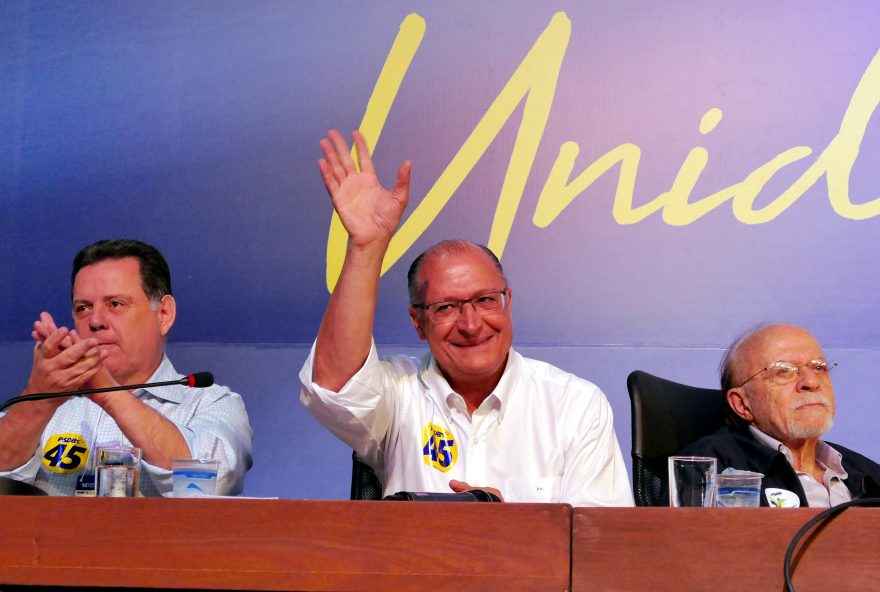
(65,453)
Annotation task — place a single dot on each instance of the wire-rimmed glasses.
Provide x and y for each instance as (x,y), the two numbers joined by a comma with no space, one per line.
(448,311)
(783,372)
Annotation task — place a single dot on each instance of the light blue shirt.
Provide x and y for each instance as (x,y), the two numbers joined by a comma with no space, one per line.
(212,420)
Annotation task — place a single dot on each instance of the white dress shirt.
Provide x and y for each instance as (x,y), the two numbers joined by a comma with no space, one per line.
(543,435)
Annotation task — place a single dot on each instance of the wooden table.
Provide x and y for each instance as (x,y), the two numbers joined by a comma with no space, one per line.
(301,545)
(660,549)
(284,545)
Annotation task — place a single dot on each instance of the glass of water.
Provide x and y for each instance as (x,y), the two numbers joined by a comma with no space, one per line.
(118,468)
(692,481)
(739,489)
(194,476)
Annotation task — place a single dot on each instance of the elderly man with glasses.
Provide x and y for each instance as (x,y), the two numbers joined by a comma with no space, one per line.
(472,412)
(781,401)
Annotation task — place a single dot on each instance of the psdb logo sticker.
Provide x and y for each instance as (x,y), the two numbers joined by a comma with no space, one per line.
(65,453)
(439,450)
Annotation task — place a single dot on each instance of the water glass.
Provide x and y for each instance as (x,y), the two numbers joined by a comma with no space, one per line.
(692,481)
(193,476)
(118,469)
(739,489)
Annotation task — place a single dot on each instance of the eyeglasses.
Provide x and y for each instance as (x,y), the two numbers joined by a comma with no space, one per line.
(448,311)
(785,372)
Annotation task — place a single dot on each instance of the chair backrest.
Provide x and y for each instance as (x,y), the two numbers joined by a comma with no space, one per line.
(666,417)
(365,485)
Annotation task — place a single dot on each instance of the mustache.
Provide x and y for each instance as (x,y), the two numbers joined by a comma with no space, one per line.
(811,400)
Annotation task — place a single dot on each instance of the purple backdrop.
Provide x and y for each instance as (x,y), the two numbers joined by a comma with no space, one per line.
(194,126)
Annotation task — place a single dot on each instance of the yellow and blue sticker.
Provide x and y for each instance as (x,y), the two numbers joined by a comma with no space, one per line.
(439,448)
(65,453)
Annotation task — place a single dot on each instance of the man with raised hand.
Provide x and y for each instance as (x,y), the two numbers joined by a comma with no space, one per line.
(473,413)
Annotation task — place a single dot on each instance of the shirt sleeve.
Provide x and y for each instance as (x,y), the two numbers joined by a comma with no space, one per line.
(26,472)
(595,473)
(219,429)
(360,413)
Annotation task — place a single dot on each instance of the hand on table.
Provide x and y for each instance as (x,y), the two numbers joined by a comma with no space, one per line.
(461,486)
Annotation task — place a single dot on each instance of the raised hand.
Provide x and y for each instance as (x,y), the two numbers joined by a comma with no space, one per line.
(369,211)
(58,368)
(45,327)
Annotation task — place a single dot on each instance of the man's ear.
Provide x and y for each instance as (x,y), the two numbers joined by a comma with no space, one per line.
(739,401)
(416,316)
(167,312)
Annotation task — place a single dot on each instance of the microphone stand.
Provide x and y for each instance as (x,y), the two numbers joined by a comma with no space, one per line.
(191,380)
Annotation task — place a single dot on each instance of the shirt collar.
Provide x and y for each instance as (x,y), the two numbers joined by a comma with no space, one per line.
(770,442)
(830,459)
(164,373)
(432,378)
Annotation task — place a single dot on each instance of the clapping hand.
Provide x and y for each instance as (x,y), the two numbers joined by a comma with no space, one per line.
(62,360)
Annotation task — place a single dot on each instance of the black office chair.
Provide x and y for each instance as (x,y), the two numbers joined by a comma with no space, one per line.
(365,485)
(666,417)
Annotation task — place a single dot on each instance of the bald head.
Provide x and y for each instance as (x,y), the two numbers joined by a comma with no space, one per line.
(791,407)
(448,247)
(736,367)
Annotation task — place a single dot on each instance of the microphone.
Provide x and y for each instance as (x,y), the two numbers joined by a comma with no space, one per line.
(197,380)
(474,495)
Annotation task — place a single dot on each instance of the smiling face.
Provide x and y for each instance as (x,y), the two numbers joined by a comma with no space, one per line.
(802,409)
(110,305)
(472,351)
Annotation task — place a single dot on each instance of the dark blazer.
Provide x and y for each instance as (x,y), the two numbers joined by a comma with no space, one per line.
(739,449)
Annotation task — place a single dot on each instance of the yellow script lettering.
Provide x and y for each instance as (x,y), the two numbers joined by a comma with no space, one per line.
(835,162)
(408,39)
(535,79)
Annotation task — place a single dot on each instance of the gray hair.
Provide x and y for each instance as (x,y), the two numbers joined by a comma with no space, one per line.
(728,371)
(447,246)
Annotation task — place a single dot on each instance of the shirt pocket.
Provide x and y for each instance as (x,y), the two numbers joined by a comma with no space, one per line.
(531,489)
